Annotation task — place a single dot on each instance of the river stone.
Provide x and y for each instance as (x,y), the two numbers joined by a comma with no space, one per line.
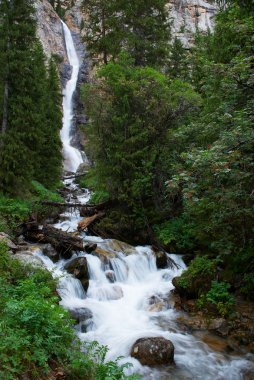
(79,269)
(153,351)
(7,240)
(27,258)
(81,314)
(161,259)
(110,274)
(219,326)
(49,251)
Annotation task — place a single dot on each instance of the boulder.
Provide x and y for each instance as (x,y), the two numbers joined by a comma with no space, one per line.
(110,274)
(79,269)
(153,351)
(49,251)
(83,168)
(190,292)
(81,314)
(161,258)
(7,240)
(219,326)
(27,258)
(84,318)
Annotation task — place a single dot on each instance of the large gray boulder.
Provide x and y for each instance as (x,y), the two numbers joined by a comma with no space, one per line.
(153,351)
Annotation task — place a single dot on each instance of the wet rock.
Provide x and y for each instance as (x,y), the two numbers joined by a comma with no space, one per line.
(49,251)
(27,258)
(153,351)
(89,248)
(159,306)
(83,168)
(110,274)
(81,314)
(7,240)
(113,246)
(79,269)
(219,326)
(190,292)
(161,259)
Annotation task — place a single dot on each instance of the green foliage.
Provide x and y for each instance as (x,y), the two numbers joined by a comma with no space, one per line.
(30,104)
(219,297)
(14,211)
(140,28)
(102,370)
(177,233)
(130,110)
(199,275)
(247,287)
(212,159)
(99,197)
(41,193)
(34,329)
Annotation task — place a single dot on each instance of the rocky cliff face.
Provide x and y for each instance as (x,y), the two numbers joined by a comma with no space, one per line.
(188,16)
(49,30)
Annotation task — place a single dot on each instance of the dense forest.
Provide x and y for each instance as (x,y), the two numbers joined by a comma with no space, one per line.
(171,134)
(171,142)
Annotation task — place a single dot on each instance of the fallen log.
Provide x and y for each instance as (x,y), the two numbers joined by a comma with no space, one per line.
(100,206)
(63,242)
(84,223)
(74,176)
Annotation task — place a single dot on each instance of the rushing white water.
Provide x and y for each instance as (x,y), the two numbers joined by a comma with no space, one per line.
(138,304)
(72,156)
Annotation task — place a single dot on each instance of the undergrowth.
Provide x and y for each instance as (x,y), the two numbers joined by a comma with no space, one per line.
(34,330)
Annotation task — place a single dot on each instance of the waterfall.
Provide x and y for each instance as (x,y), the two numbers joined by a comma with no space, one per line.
(72,156)
(136,301)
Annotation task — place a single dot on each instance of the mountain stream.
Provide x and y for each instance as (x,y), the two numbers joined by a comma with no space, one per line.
(121,288)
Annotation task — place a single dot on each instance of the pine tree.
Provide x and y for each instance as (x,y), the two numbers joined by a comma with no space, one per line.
(23,129)
(139,27)
(49,154)
(178,65)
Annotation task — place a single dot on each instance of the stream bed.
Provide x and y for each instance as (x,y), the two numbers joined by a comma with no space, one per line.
(129,298)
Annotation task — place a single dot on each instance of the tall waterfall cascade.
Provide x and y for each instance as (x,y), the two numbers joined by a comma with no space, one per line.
(72,156)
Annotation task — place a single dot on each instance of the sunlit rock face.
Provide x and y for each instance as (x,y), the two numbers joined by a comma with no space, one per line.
(49,31)
(188,16)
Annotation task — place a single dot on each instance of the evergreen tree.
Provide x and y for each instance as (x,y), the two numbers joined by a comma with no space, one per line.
(139,27)
(49,153)
(178,62)
(24,119)
(131,111)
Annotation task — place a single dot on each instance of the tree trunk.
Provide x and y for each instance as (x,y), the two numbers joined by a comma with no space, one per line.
(5,107)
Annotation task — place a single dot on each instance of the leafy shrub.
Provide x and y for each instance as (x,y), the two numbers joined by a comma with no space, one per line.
(219,297)
(42,193)
(99,197)
(199,275)
(12,211)
(177,233)
(247,288)
(35,329)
